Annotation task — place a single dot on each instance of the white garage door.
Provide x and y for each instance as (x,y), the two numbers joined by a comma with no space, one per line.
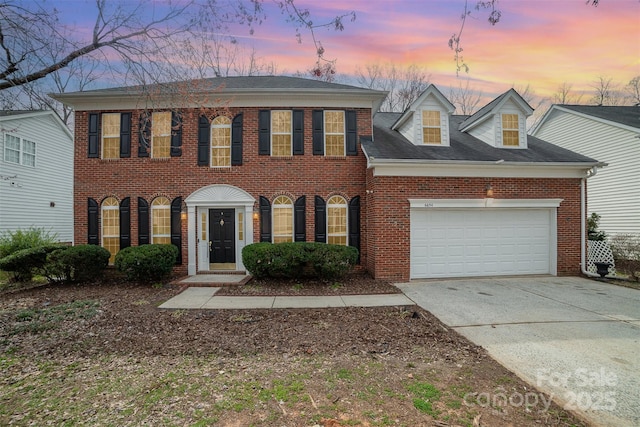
(480,242)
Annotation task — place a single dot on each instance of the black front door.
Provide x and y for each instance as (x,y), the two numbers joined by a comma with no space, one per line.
(222,235)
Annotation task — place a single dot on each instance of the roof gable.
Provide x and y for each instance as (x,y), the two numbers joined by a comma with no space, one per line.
(627,117)
(6,115)
(494,107)
(431,91)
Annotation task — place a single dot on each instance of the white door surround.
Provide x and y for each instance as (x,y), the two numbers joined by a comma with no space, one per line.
(216,196)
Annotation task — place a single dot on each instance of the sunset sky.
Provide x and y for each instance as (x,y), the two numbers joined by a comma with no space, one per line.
(538,42)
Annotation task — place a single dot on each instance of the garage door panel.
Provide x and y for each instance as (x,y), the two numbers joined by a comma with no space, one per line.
(474,242)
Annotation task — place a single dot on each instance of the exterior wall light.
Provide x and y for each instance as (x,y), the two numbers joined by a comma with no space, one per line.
(489,191)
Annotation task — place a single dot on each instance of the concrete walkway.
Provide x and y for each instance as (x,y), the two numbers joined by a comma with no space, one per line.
(205,298)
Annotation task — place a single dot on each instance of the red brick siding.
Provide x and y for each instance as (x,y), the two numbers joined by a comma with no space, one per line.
(388,214)
(180,176)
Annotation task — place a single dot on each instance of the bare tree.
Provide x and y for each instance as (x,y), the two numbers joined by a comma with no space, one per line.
(465,98)
(632,90)
(131,41)
(403,84)
(565,95)
(605,91)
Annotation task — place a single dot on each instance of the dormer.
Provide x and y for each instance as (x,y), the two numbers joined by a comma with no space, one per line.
(426,121)
(502,123)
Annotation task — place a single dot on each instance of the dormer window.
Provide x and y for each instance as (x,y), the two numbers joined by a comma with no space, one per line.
(510,130)
(431,132)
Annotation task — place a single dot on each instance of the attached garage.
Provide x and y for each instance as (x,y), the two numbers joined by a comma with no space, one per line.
(482,237)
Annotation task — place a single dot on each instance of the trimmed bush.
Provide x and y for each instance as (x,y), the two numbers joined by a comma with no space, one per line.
(147,263)
(298,259)
(80,263)
(14,241)
(23,264)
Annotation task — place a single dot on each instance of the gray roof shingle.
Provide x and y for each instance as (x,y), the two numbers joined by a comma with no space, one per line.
(625,115)
(234,83)
(388,144)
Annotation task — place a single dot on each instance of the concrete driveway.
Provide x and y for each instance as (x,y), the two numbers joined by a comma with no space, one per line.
(576,339)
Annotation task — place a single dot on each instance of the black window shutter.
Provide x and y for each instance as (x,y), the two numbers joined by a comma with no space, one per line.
(92,222)
(298,132)
(299,219)
(125,135)
(125,223)
(317,119)
(143,221)
(144,140)
(321,220)
(354,224)
(94,135)
(236,140)
(176,226)
(204,136)
(265,219)
(352,133)
(176,134)
(264,132)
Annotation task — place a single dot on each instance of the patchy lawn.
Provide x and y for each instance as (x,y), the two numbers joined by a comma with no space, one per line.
(106,355)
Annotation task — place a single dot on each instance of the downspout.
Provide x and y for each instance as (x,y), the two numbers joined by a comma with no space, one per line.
(583,223)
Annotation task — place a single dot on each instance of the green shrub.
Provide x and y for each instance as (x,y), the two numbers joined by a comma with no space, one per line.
(14,241)
(147,263)
(297,259)
(23,264)
(80,263)
(593,223)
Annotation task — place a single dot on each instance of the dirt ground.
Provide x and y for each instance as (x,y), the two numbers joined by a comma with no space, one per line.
(104,354)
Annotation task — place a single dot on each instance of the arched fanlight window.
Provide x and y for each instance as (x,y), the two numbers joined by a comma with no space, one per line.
(111,226)
(221,142)
(282,219)
(161,220)
(337,220)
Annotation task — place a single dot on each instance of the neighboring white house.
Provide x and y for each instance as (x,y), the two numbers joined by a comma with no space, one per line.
(36,173)
(610,134)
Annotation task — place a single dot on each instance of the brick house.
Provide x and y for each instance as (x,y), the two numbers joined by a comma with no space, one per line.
(423,193)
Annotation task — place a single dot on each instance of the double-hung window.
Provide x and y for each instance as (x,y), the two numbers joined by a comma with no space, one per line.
(282,220)
(334,133)
(221,142)
(281,133)
(161,220)
(510,130)
(111,226)
(19,150)
(161,135)
(111,135)
(337,221)
(431,132)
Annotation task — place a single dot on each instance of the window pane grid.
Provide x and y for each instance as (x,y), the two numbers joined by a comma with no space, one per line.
(161,134)
(11,149)
(28,153)
(281,130)
(510,131)
(110,135)
(111,227)
(282,220)
(334,133)
(431,133)
(221,142)
(160,221)
(337,221)
(240,226)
